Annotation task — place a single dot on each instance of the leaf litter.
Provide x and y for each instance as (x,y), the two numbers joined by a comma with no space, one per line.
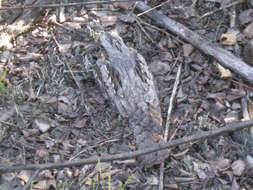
(52,109)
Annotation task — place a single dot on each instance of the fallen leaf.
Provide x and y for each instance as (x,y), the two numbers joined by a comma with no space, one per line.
(44,184)
(220,97)
(246,16)
(224,73)
(68,172)
(42,124)
(203,170)
(228,39)
(80,122)
(187,49)
(238,167)
(41,153)
(248,31)
(24,175)
(221,164)
(123,5)
(88,181)
(249,160)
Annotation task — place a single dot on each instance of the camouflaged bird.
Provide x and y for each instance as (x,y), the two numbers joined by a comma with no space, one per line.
(124,75)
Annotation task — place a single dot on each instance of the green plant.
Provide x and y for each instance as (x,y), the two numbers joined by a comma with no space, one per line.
(109,179)
(124,185)
(31,185)
(2,78)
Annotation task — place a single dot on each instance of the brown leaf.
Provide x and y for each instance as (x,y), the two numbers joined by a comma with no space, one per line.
(41,153)
(220,97)
(24,175)
(80,122)
(44,184)
(123,5)
(224,73)
(187,49)
(228,39)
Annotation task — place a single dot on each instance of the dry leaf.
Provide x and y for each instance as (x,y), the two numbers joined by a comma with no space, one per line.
(225,73)
(238,167)
(80,123)
(88,181)
(44,184)
(228,39)
(24,175)
(41,153)
(246,16)
(202,169)
(42,124)
(123,5)
(248,31)
(187,49)
(221,164)
(220,97)
(249,160)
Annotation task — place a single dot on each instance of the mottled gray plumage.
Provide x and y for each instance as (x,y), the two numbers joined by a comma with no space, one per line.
(124,75)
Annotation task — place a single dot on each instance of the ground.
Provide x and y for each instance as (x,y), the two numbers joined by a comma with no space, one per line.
(52,109)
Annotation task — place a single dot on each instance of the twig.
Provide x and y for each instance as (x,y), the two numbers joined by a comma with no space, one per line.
(171,101)
(153,8)
(222,8)
(10,124)
(63,5)
(124,156)
(225,58)
(167,125)
(71,72)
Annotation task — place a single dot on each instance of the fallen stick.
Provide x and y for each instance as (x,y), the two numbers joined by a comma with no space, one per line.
(225,58)
(127,155)
(63,5)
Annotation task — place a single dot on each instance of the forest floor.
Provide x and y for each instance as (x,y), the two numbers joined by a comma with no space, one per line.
(52,110)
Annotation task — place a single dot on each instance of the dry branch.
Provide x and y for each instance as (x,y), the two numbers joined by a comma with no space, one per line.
(124,156)
(225,58)
(62,5)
